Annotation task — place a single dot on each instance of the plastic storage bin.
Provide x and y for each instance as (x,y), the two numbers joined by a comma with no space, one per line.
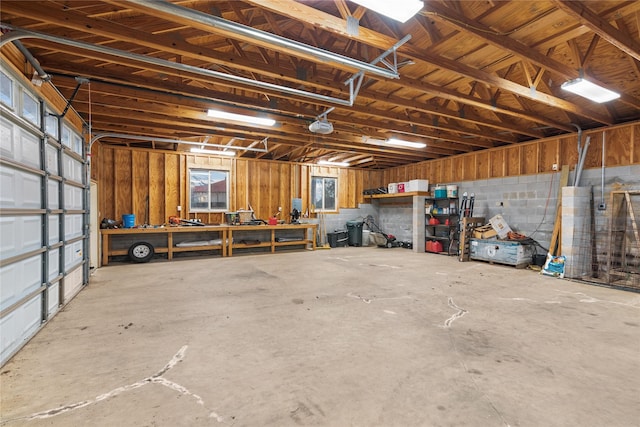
(338,238)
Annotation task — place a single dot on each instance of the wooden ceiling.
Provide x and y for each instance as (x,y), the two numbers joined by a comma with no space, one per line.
(474,74)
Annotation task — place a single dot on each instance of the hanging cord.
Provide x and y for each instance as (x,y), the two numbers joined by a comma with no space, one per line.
(546,206)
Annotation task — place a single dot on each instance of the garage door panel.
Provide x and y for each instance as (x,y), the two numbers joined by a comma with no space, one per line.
(19,279)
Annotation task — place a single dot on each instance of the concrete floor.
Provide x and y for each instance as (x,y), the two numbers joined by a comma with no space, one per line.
(340,337)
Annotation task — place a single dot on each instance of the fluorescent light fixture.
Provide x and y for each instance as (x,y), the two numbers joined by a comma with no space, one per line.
(329,163)
(215,152)
(394,141)
(240,118)
(590,90)
(400,10)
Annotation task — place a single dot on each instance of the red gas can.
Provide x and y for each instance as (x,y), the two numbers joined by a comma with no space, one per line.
(436,247)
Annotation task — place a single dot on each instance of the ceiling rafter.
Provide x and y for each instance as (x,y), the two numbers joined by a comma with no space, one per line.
(332,23)
(600,26)
(456,92)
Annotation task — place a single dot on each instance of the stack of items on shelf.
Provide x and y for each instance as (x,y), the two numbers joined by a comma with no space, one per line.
(415,185)
(442,220)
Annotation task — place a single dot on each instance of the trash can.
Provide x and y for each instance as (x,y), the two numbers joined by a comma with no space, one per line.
(355,232)
(338,238)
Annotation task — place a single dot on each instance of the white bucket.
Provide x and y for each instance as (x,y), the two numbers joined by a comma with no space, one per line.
(452,191)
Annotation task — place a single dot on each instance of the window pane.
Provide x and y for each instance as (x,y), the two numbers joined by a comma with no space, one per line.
(6,90)
(209,190)
(317,194)
(77,143)
(199,190)
(330,194)
(323,193)
(218,182)
(30,109)
(66,136)
(51,125)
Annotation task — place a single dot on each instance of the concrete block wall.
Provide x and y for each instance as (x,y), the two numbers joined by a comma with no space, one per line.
(528,202)
(576,231)
(396,217)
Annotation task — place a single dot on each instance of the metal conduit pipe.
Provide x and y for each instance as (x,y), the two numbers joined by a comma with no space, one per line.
(580,167)
(171,141)
(33,61)
(271,39)
(579,150)
(20,33)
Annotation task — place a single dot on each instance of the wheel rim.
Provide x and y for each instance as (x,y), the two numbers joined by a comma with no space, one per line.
(141,251)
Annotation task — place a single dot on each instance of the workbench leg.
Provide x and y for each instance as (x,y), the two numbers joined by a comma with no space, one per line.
(273,240)
(223,235)
(105,250)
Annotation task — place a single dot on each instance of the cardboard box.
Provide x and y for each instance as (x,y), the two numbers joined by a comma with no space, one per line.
(418,185)
(500,226)
(402,187)
(392,188)
(484,232)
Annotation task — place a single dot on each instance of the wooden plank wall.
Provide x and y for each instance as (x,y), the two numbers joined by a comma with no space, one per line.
(151,184)
(622,149)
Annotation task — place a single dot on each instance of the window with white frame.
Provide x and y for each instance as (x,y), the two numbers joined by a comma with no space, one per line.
(324,193)
(30,108)
(76,143)
(6,90)
(51,124)
(208,190)
(65,137)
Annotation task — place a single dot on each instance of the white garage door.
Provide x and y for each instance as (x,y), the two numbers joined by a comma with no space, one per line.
(43,214)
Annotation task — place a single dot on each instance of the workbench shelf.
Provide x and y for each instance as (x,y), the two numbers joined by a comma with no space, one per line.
(241,237)
(167,240)
(444,211)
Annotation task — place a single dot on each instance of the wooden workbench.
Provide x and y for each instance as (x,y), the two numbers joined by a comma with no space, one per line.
(245,238)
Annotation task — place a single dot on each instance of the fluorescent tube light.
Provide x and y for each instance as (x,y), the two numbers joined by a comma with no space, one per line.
(590,90)
(216,152)
(328,163)
(400,10)
(241,118)
(394,141)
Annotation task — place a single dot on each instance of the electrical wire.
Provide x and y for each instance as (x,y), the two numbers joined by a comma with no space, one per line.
(546,206)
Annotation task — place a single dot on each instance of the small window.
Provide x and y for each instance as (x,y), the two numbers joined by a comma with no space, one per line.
(209,190)
(324,194)
(6,90)
(30,109)
(76,143)
(51,125)
(65,138)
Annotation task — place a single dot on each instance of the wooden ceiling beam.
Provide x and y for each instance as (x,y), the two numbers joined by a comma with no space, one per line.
(293,109)
(334,24)
(171,44)
(165,43)
(600,26)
